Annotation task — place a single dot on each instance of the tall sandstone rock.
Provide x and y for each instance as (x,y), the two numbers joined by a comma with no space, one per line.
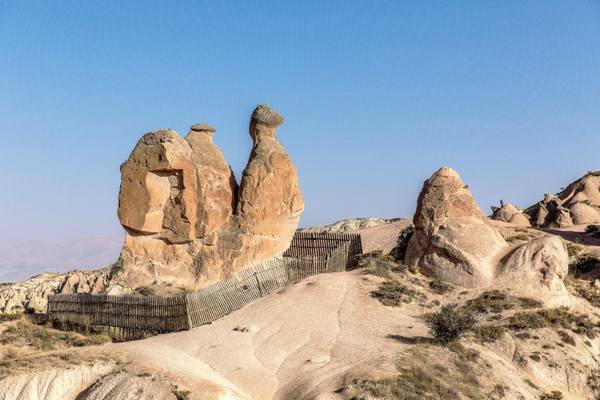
(187,223)
(453,239)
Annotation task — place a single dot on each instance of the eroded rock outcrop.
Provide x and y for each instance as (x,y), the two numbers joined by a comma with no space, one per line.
(187,223)
(537,269)
(578,203)
(511,214)
(453,239)
(32,294)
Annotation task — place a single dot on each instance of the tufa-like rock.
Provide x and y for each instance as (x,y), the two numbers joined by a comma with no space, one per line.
(453,239)
(455,242)
(578,203)
(187,223)
(511,214)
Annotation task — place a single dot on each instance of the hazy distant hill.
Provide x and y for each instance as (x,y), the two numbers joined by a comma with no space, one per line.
(20,260)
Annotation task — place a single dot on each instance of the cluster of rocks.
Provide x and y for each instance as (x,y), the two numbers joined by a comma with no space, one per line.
(32,294)
(578,203)
(454,241)
(187,221)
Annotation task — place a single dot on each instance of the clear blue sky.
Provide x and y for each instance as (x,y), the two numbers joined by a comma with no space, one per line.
(376,95)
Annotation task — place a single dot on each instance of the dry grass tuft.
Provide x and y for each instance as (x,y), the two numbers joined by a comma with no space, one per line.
(378,264)
(394,293)
(496,301)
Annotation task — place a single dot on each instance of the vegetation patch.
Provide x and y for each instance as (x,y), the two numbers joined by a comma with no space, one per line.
(418,377)
(553,395)
(496,301)
(394,293)
(24,333)
(583,265)
(440,287)
(378,264)
(488,333)
(449,323)
(593,382)
(399,252)
(553,318)
(593,230)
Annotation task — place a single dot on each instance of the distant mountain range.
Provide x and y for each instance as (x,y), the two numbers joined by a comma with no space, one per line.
(19,260)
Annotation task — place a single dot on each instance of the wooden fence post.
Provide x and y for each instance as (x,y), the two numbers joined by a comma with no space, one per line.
(258,283)
(187,311)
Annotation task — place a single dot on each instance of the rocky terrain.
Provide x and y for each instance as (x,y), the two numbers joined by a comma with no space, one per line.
(577,204)
(464,307)
(349,225)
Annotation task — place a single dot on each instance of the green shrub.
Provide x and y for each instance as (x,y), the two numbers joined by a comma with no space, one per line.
(399,252)
(449,323)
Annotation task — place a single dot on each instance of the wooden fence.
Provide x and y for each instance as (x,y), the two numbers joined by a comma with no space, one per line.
(130,317)
(322,244)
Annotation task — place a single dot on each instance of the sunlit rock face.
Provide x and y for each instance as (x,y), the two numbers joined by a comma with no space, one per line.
(453,239)
(187,223)
(578,203)
(511,214)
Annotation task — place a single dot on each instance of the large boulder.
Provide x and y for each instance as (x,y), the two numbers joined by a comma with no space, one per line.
(511,214)
(578,203)
(187,223)
(537,269)
(453,239)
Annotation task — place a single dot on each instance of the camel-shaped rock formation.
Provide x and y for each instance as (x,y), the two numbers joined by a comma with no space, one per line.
(188,223)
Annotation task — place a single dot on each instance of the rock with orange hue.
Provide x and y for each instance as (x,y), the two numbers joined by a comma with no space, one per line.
(187,223)
(453,239)
(270,202)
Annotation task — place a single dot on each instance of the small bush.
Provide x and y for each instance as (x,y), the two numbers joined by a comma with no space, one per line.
(394,293)
(10,317)
(488,333)
(553,395)
(378,264)
(591,294)
(440,287)
(553,318)
(496,301)
(566,338)
(593,230)
(584,264)
(182,394)
(593,382)
(449,323)
(399,252)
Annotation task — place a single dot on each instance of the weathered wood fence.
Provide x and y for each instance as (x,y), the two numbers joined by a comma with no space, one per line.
(130,317)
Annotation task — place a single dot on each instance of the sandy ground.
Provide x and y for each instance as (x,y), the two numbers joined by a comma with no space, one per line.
(300,340)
